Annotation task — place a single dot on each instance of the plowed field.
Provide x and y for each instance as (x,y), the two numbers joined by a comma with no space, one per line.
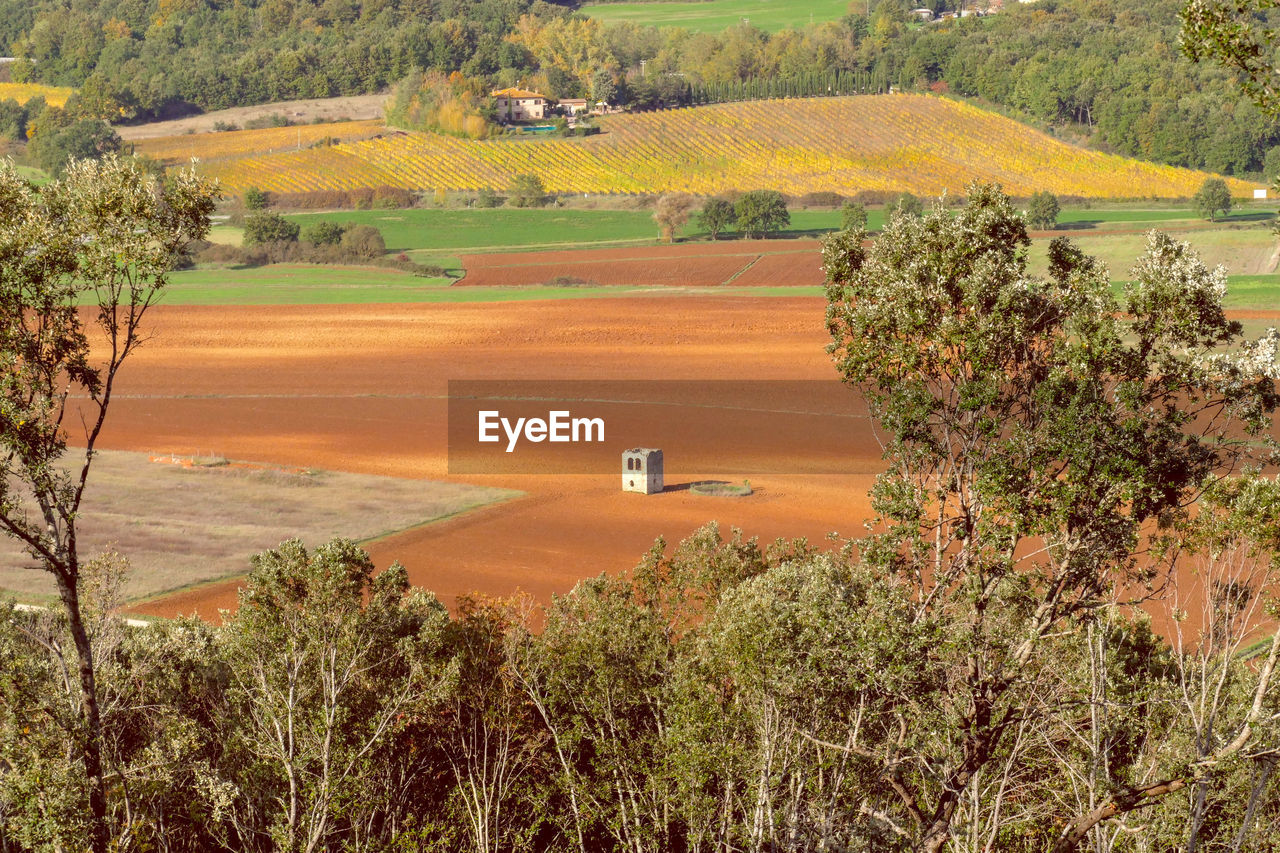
(362,389)
(738,262)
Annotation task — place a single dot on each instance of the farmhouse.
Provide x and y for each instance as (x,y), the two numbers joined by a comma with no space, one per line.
(519,104)
(574,106)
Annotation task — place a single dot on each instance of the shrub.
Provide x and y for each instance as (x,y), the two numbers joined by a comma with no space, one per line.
(265,227)
(323,233)
(527,191)
(273,120)
(821,199)
(364,241)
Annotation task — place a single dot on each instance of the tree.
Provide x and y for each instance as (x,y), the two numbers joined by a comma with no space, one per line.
(86,138)
(760,213)
(716,215)
(1041,441)
(853,217)
(1042,211)
(327,661)
(905,204)
(1213,196)
(265,227)
(1218,679)
(105,235)
(493,741)
(1236,36)
(254,199)
(672,212)
(1271,165)
(527,191)
(604,86)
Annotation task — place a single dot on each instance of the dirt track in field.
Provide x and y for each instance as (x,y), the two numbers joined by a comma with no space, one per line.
(738,262)
(362,389)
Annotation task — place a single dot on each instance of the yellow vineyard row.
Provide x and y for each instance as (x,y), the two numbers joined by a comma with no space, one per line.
(915,143)
(22,92)
(243,143)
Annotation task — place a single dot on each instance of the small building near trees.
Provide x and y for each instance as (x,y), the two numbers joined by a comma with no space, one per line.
(519,104)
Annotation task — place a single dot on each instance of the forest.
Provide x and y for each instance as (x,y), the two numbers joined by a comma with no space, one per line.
(1105,72)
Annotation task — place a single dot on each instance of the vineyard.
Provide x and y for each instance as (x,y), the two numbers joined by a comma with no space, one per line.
(208,147)
(890,143)
(22,92)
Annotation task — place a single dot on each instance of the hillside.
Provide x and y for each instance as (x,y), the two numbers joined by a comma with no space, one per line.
(917,143)
(1107,73)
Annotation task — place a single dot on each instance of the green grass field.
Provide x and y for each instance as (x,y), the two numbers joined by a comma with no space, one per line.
(716,15)
(1243,251)
(434,233)
(438,236)
(298,284)
(301,284)
(497,229)
(1254,292)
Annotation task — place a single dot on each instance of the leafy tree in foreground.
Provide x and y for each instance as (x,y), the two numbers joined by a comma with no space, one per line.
(105,235)
(715,217)
(1213,196)
(1041,445)
(1042,211)
(760,213)
(1235,35)
(328,662)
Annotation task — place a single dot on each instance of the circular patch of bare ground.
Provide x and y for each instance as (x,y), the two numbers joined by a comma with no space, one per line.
(721,489)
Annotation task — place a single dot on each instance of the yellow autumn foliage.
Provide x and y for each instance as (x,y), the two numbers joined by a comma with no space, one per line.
(55,96)
(893,143)
(240,143)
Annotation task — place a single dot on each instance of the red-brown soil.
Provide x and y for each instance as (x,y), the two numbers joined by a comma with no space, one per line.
(362,389)
(737,262)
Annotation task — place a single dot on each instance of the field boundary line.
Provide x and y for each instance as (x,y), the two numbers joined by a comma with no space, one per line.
(731,279)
